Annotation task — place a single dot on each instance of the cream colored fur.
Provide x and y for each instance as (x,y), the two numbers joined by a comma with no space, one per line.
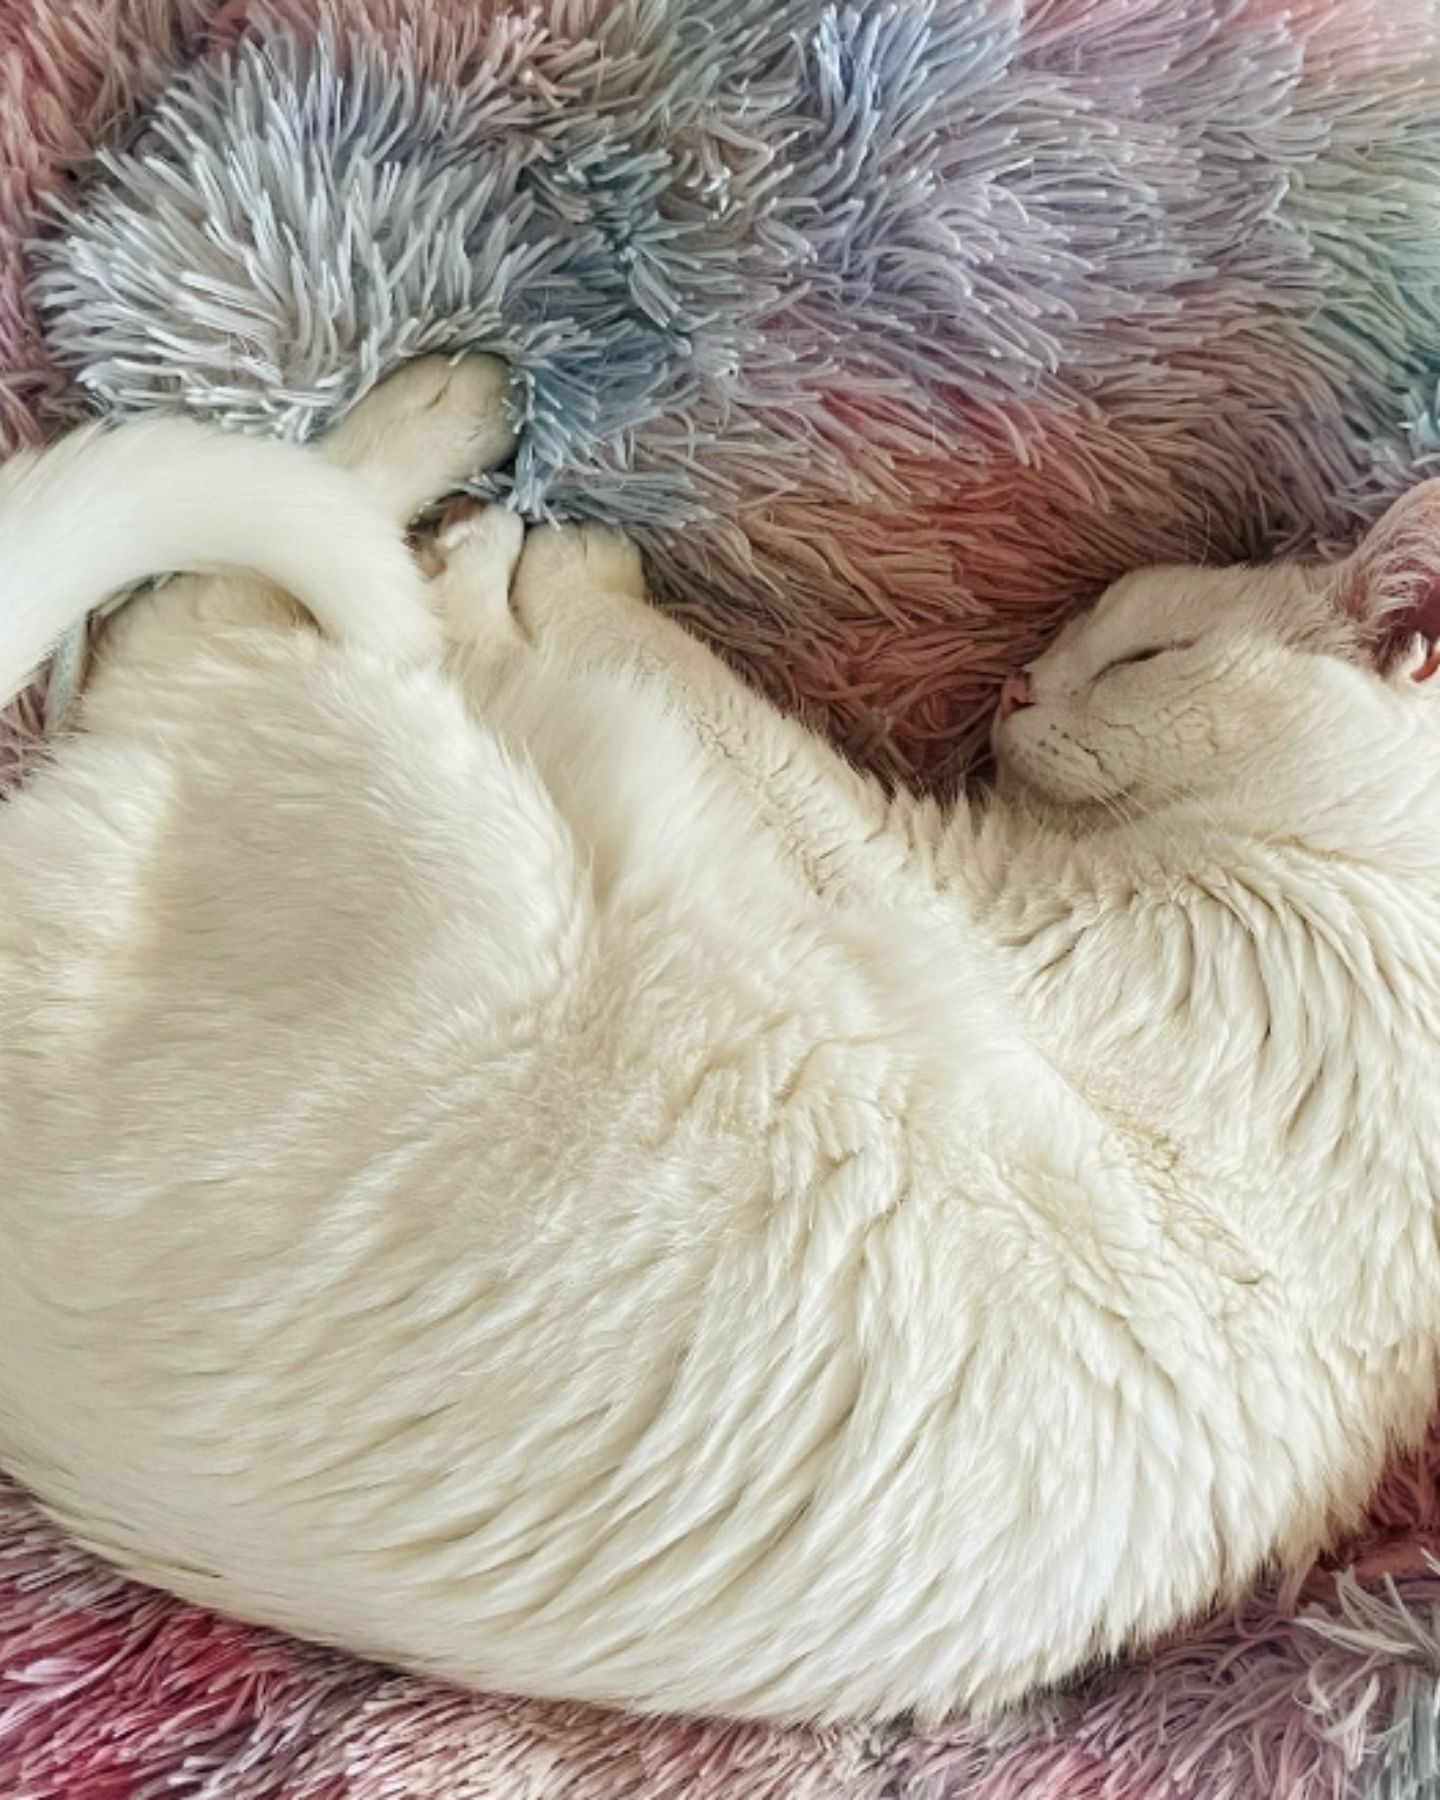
(527,1166)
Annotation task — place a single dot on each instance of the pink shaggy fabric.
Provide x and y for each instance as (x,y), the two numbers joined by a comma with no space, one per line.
(108,1692)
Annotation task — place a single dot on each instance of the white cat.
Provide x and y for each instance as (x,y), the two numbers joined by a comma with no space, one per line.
(515,1160)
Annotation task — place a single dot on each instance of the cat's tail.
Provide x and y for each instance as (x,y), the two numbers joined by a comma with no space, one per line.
(106,508)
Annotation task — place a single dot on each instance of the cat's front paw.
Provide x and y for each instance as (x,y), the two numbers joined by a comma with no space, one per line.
(471,559)
(478,535)
(557,556)
(422,431)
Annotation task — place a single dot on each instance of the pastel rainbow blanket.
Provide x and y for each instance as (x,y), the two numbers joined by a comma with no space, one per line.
(894,329)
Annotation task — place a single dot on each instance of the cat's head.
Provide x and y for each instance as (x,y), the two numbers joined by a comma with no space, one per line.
(1188,684)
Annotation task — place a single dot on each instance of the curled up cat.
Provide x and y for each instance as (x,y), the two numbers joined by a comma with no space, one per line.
(517,1161)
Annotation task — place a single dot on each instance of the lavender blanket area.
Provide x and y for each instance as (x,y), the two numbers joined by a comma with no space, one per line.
(894,331)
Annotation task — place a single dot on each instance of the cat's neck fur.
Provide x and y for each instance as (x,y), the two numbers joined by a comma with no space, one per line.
(1252,997)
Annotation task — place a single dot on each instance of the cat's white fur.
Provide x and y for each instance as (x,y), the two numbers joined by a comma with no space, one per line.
(525,1165)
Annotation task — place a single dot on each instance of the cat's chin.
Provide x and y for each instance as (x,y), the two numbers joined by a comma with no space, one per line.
(1015,787)
(1008,784)
(1080,815)
(1024,788)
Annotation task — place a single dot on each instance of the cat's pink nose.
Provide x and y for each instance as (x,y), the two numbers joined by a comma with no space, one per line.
(1015,693)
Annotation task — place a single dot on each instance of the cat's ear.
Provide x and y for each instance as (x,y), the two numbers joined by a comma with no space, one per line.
(1390,586)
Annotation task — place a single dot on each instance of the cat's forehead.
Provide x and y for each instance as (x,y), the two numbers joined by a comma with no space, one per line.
(1173,602)
(1148,603)
(1174,592)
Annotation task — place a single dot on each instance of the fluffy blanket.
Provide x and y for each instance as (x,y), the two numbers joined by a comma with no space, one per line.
(894,329)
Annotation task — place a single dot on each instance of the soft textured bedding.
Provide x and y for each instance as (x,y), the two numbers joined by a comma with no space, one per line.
(893,331)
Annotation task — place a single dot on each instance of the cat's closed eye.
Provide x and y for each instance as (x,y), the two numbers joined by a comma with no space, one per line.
(1132,657)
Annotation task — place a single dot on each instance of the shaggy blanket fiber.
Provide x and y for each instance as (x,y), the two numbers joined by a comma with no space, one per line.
(894,330)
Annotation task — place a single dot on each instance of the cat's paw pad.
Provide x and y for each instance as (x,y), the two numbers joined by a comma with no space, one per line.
(557,554)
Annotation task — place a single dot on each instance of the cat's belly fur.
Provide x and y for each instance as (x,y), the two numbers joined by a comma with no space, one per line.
(651,1290)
